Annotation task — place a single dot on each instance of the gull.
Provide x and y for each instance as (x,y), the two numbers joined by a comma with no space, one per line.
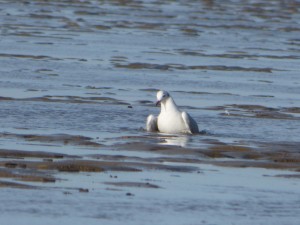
(170,120)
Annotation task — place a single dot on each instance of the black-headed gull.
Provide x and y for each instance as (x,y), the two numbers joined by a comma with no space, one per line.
(170,120)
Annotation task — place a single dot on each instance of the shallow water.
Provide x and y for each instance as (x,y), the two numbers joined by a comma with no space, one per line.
(92,68)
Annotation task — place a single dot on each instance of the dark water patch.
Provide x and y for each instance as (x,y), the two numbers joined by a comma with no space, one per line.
(133,184)
(161,159)
(263,11)
(294,42)
(282,153)
(72,85)
(48,72)
(232,151)
(137,25)
(275,115)
(236,55)
(39,35)
(75,167)
(206,93)
(143,66)
(291,109)
(32,90)
(224,26)
(290,176)
(78,99)
(89,13)
(9,153)
(34,57)
(149,26)
(77,59)
(231,68)
(26,175)
(190,31)
(256,164)
(281,148)
(69,99)
(159,52)
(45,16)
(146,103)
(71,25)
(183,67)
(44,43)
(94,166)
(292,158)
(64,139)
(30,35)
(194,92)
(9,184)
(266,81)
(263,96)
(252,107)
(118,59)
(98,88)
(117,157)
(62,166)
(149,90)
(256,111)
(290,29)
(6,98)
(230,148)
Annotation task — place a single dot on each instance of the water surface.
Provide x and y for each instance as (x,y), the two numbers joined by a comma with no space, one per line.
(78,79)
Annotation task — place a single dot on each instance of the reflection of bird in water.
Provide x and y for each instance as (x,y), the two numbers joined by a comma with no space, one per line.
(176,140)
(171,119)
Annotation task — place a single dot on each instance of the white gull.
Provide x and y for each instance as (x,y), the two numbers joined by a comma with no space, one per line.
(170,120)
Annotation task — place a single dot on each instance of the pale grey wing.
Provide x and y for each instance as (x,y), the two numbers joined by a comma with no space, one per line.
(151,124)
(190,123)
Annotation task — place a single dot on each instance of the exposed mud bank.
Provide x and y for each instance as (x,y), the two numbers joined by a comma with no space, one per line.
(16,164)
(63,139)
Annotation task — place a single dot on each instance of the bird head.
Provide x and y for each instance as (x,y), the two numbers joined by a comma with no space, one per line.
(162,96)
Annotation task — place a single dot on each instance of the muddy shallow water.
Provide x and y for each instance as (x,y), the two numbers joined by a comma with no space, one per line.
(78,79)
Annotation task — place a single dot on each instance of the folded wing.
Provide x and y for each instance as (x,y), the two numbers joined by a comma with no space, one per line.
(190,123)
(151,124)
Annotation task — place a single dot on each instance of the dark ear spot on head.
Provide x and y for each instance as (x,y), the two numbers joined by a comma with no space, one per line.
(166,94)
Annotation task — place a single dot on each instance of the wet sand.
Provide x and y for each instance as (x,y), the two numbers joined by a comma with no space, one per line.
(79,78)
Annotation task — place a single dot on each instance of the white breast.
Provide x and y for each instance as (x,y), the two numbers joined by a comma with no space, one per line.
(171,123)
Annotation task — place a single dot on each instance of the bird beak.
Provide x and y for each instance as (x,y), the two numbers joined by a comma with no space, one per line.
(157,103)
